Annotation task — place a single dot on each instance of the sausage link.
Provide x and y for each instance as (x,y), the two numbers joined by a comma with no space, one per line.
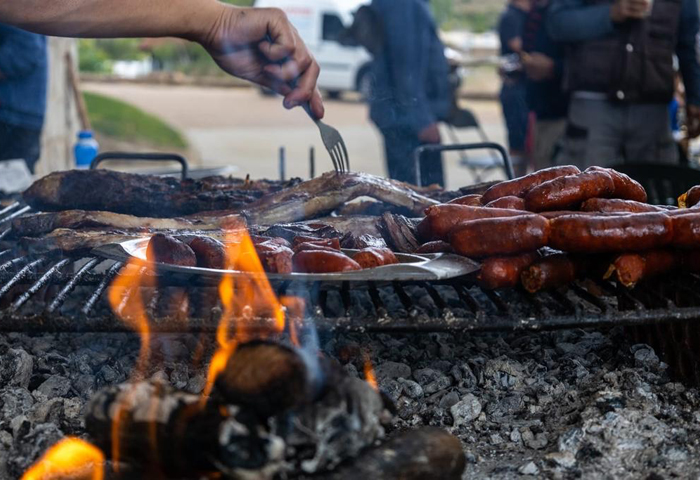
(167,249)
(617,205)
(564,213)
(316,261)
(686,230)
(570,191)
(552,271)
(630,268)
(500,236)
(275,258)
(437,246)
(473,200)
(626,188)
(375,257)
(440,219)
(615,233)
(511,201)
(209,252)
(690,261)
(504,272)
(690,199)
(520,186)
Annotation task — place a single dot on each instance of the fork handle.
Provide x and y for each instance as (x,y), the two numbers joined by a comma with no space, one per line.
(307,108)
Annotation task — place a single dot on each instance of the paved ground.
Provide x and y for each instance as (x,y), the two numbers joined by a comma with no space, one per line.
(242,128)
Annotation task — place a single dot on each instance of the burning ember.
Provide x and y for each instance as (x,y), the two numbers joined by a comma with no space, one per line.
(70,458)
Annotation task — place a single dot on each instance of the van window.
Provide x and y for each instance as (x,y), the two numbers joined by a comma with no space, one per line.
(332,27)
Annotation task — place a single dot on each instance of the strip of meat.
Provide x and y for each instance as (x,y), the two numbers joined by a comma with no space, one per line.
(74,241)
(552,271)
(500,236)
(358,242)
(473,200)
(520,186)
(615,233)
(513,202)
(617,205)
(570,191)
(375,257)
(626,188)
(333,243)
(167,249)
(686,230)
(314,246)
(318,261)
(690,199)
(436,246)
(630,268)
(210,252)
(440,219)
(504,272)
(398,232)
(37,224)
(257,239)
(322,195)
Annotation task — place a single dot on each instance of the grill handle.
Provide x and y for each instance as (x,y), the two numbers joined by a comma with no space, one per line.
(136,157)
(418,154)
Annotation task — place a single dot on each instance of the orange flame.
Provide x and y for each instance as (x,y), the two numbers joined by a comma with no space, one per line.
(370,376)
(69,459)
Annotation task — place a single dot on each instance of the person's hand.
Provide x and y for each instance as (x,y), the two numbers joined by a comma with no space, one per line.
(623,10)
(262,46)
(692,120)
(537,66)
(430,134)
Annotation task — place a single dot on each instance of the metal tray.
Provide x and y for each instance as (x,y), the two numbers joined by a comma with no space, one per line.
(411,268)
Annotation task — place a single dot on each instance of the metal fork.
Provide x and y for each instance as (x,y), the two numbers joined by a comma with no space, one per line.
(333,142)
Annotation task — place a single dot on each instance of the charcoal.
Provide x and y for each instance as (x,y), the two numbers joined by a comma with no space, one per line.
(392,370)
(54,386)
(16,368)
(466,410)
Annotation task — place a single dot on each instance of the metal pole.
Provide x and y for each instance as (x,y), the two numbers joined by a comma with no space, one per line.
(283,164)
(312,162)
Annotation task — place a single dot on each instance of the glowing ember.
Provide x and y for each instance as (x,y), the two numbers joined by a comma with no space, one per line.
(69,459)
(370,377)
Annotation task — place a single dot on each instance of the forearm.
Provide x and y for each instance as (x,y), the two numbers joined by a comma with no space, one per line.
(572,21)
(107,18)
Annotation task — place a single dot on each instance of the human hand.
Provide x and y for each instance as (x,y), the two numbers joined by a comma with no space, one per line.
(262,46)
(623,10)
(692,121)
(430,134)
(537,66)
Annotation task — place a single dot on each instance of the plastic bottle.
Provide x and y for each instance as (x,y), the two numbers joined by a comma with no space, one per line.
(85,150)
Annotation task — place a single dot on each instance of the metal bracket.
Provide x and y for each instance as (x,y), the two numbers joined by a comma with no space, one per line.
(420,151)
(156,157)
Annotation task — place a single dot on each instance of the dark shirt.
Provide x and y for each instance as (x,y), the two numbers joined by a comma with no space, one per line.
(23,77)
(510,26)
(546,98)
(578,21)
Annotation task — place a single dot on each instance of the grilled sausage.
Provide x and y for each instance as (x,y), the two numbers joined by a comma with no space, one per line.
(210,252)
(551,271)
(626,188)
(570,191)
(614,233)
(437,246)
(686,230)
(440,219)
(616,205)
(275,258)
(500,236)
(690,261)
(690,199)
(333,243)
(504,272)
(630,268)
(473,200)
(516,203)
(375,257)
(564,213)
(316,261)
(166,249)
(303,247)
(518,187)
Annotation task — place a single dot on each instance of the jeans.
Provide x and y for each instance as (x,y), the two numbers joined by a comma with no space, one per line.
(20,142)
(399,146)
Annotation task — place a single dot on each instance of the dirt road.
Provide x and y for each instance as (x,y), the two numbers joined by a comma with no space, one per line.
(241,128)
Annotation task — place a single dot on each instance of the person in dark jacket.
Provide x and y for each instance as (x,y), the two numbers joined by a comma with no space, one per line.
(411,91)
(619,72)
(23,77)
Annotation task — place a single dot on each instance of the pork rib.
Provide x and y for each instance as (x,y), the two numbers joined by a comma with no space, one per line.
(324,194)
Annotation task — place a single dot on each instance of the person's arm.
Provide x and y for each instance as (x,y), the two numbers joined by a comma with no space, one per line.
(574,21)
(31,46)
(259,45)
(688,63)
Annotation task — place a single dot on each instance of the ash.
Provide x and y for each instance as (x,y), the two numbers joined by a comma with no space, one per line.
(569,404)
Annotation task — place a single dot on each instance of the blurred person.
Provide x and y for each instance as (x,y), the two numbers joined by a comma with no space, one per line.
(543,63)
(256,44)
(411,92)
(619,71)
(513,94)
(23,76)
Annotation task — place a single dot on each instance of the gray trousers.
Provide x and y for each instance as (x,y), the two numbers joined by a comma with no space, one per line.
(600,132)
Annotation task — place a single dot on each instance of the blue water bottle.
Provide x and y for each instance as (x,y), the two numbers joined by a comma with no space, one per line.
(85,150)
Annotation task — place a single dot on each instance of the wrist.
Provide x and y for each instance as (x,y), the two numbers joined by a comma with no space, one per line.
(205,20)
(616,13)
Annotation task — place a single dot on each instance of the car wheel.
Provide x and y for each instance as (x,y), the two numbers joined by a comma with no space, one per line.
(333,94)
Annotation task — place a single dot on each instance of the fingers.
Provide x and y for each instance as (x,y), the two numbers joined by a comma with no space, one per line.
(305,87)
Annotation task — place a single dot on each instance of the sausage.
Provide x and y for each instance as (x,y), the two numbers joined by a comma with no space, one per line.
(614,233)
(436,246)
(690,261)
(552,271)
(333,243)
(518,187)
(564,213)
(317,261)
(616,205)
(166,249)
(690,199)
(500,236)
(275,258)
(375,257)
(473,200)
(510,201)
(504,272)
(630,268)
(302,247)
(440,219)
(572,190)
(209,252)
(686,230)
(626,188)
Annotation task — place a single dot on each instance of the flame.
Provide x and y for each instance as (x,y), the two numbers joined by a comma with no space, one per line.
(370,376)
(71,458)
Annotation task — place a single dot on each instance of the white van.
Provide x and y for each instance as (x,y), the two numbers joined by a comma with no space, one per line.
(319,22)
